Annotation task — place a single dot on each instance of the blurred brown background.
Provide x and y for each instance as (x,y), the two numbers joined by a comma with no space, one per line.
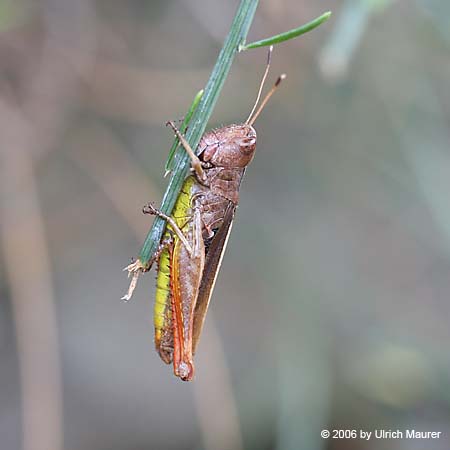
(332,308)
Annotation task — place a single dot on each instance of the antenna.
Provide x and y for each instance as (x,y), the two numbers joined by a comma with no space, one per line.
(251,120)
(269,55)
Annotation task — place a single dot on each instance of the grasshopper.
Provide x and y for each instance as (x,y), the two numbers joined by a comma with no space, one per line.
(191,249)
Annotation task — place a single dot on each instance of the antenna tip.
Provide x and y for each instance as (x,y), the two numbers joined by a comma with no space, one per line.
(269,56)
(280,79)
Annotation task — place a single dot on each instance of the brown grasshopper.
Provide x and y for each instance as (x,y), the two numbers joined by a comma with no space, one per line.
(191,249)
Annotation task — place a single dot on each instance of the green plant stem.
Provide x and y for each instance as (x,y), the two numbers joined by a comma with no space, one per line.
(288,34)
(236,36)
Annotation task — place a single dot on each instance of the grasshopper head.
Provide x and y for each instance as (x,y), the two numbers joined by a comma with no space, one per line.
(234,147)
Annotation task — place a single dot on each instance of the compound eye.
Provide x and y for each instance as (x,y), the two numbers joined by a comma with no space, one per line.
(209,152)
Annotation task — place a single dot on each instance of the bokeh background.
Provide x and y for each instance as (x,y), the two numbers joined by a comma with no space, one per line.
(332,307)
